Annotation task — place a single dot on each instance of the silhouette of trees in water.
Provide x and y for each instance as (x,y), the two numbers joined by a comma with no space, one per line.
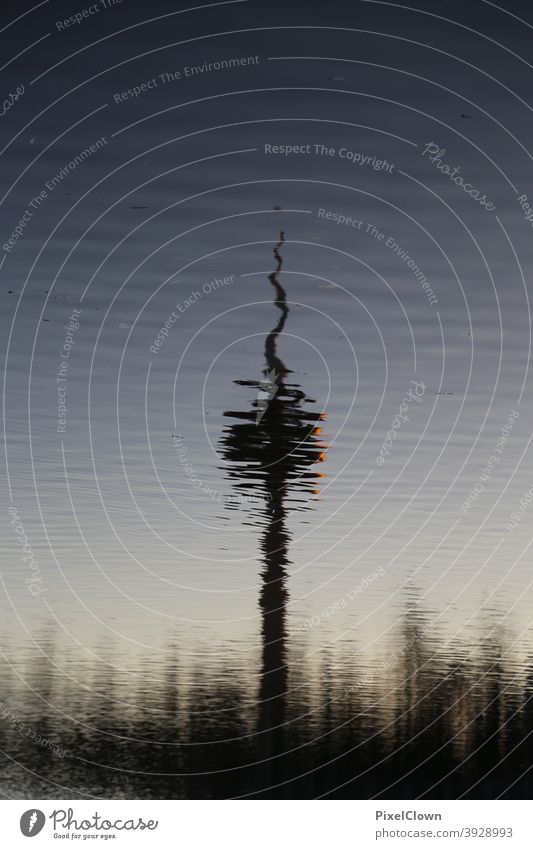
(432,728)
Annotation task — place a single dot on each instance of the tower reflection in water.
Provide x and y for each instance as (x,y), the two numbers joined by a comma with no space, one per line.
(269,451)
(434,716)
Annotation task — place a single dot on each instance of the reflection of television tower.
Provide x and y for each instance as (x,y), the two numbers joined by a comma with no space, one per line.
(272,451)
(267,389)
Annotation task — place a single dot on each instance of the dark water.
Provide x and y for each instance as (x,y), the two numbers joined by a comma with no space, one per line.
(235,586)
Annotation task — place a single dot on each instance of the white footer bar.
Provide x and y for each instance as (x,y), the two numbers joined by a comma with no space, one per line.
(266,824)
